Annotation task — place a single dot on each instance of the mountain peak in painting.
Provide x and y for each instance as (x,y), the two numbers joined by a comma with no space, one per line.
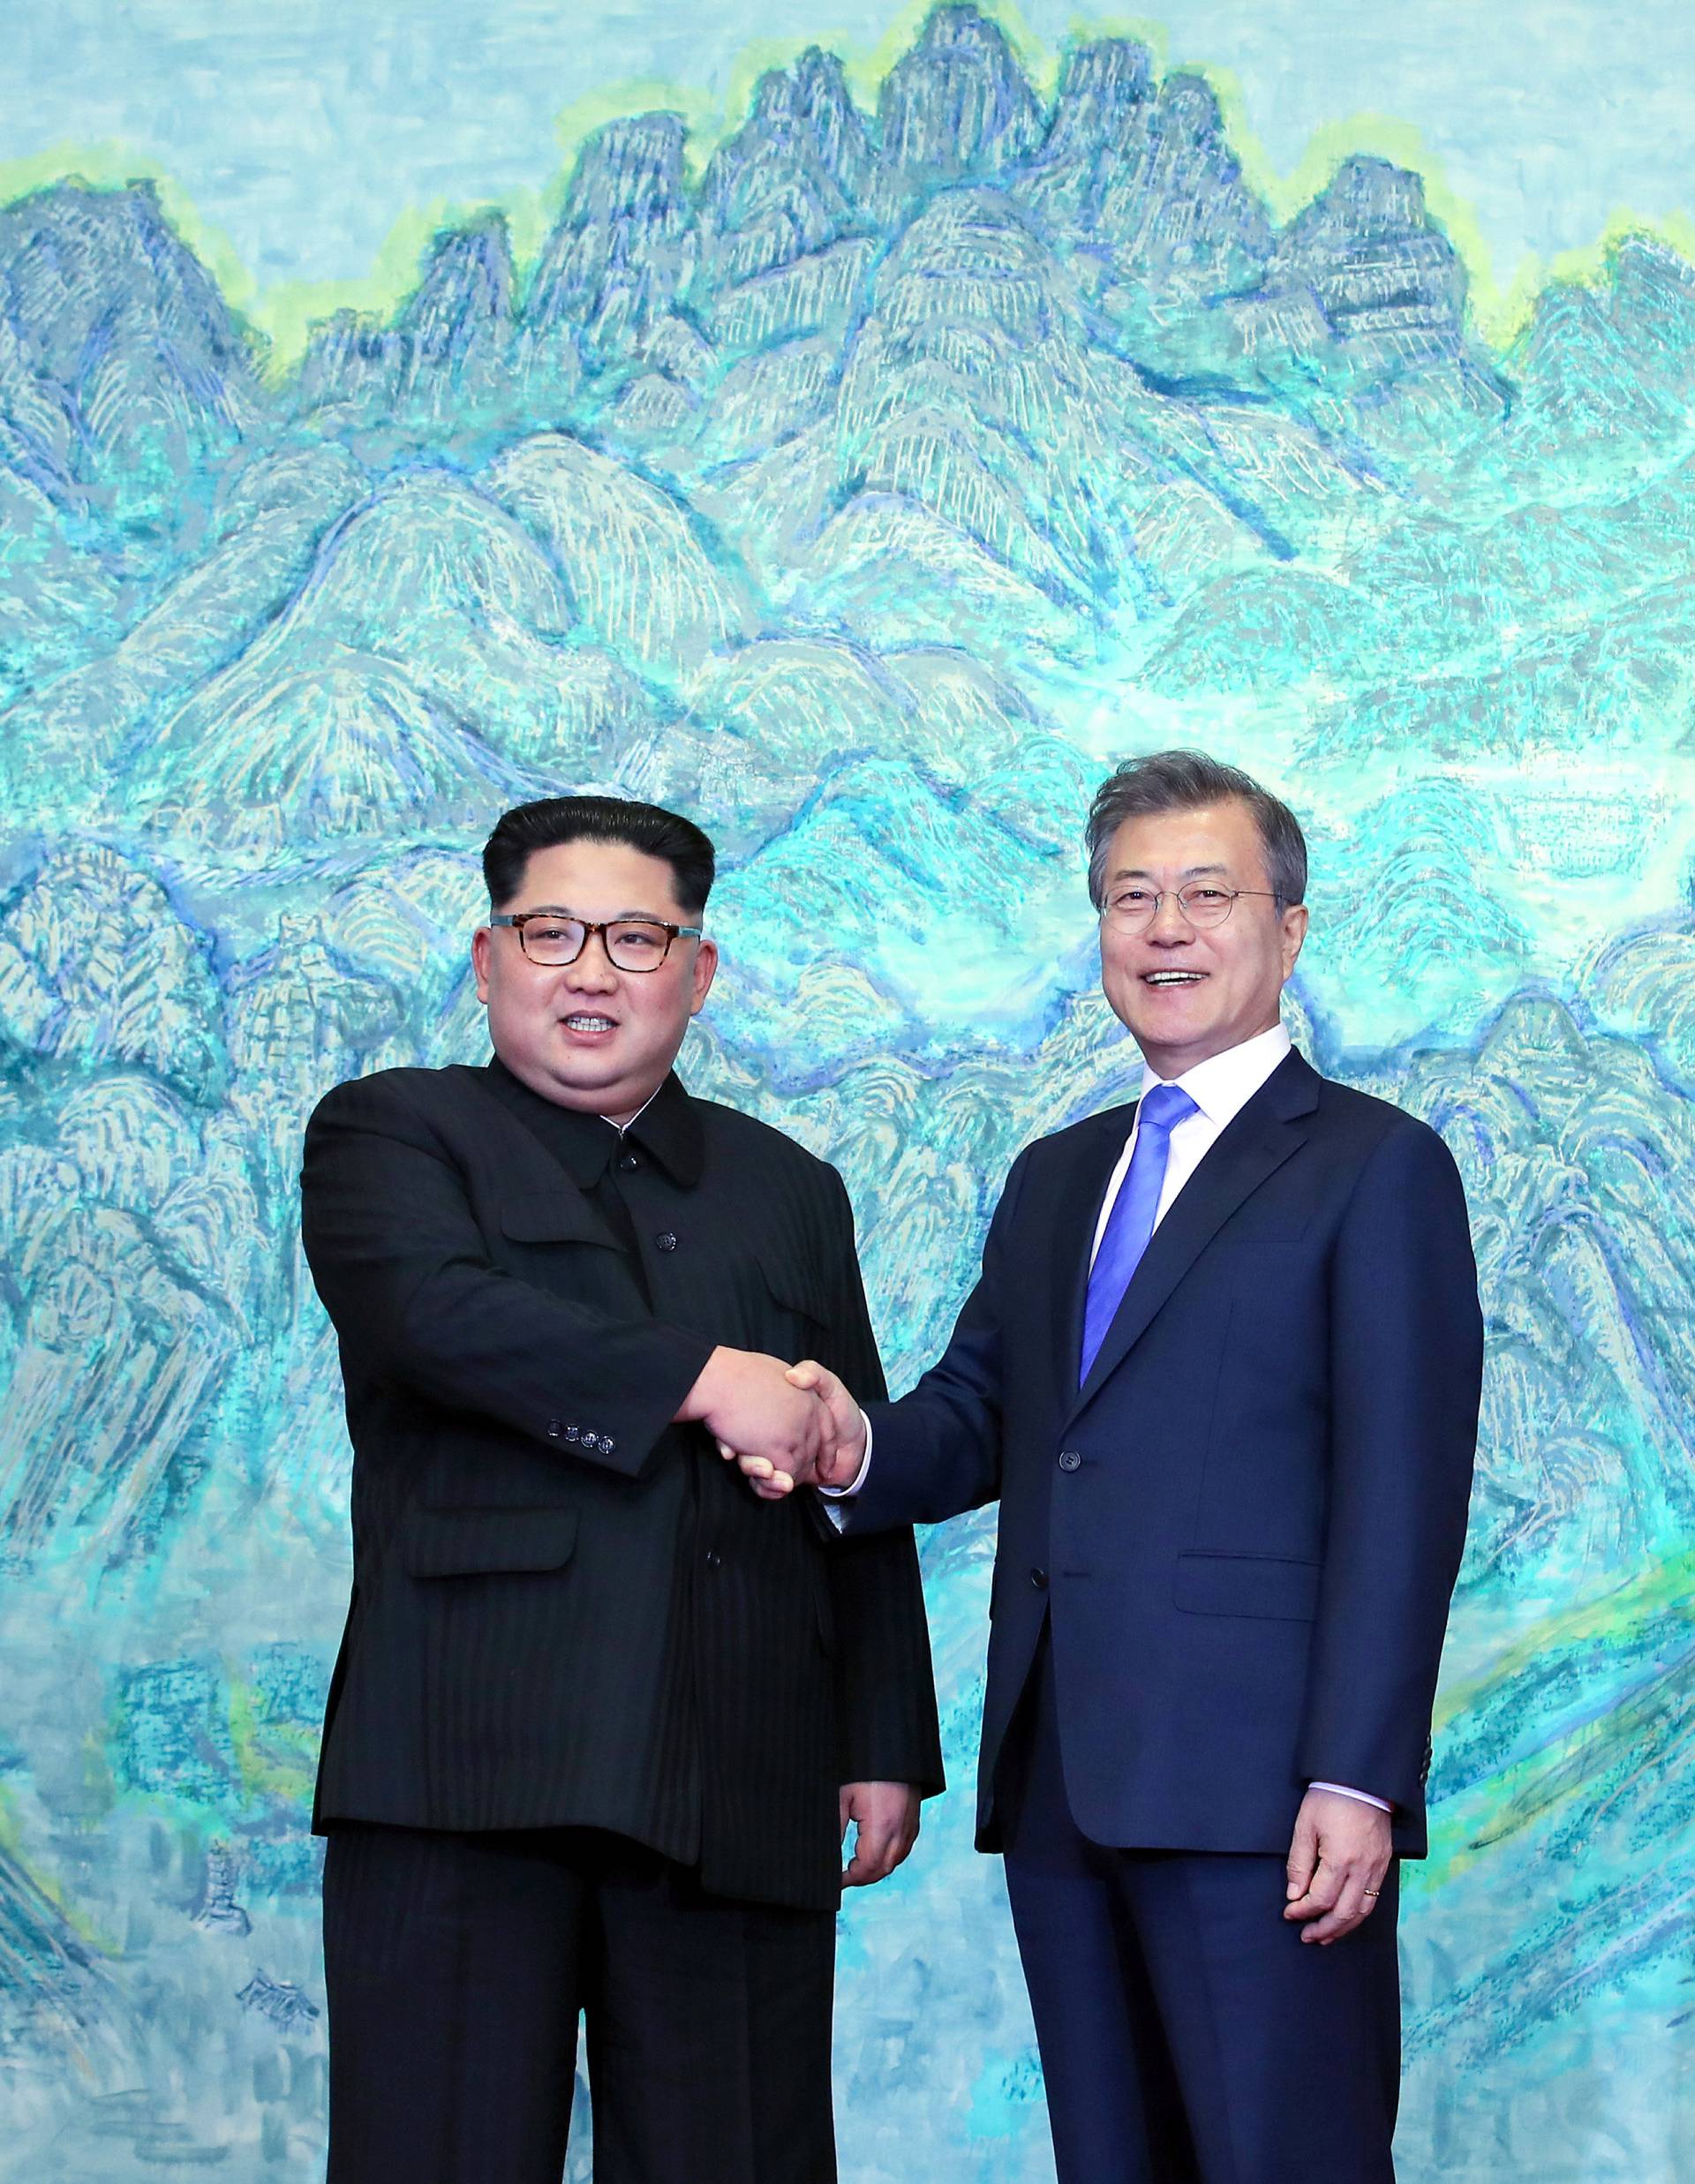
(625,242)
(958,102)
(795,177)
(127,369)
(1131,178)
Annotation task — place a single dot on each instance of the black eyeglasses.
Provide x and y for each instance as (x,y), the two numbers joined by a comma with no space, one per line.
(556,937)
(1133,908)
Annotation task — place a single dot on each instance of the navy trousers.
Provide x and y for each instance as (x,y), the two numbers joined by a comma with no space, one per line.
(1187,2035)
(456,1966)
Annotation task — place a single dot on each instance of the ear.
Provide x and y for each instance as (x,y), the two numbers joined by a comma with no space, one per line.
(704,969)
(1295,921)
(482,944)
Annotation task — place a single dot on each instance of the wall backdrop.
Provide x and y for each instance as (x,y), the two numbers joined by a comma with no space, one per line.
(863,479)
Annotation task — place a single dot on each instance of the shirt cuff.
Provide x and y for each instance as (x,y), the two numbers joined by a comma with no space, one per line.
(1359,1796)
(839,1518)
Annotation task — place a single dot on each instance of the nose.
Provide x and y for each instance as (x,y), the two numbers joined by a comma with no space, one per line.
(593,971)
(1168,928)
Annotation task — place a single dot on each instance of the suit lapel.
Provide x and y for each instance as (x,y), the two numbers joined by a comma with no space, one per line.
(1270,1127)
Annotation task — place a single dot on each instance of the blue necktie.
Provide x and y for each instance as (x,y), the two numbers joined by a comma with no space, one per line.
(1130,1221)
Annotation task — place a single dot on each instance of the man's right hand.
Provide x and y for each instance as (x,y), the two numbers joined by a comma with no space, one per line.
(841,1456)
(753,1406)
(847,1422)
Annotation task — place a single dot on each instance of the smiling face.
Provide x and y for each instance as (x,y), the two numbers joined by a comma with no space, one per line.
(585,1035)
(1186,994)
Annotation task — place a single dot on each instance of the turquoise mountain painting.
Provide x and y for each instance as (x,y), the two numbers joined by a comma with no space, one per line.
(866,483)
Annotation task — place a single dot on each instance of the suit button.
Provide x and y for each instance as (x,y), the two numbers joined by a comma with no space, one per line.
(713,1558)
(665,1240)
(571,1434)
(1070,1461)
(605,1444)
(1039,1580)
(628,1164)
(555,1429)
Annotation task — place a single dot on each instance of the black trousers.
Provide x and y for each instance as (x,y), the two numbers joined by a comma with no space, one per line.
(456,1966)
(1187,2035)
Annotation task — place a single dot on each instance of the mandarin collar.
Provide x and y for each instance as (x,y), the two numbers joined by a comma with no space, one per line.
(668,1129)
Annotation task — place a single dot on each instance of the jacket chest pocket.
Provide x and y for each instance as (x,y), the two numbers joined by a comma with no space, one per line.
(557,1240)
(792,1295)
(756,1299)
(558,1216)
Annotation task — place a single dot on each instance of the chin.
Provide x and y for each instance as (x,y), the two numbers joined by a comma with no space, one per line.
(569,1073)
(592,1099)
(1165,1027)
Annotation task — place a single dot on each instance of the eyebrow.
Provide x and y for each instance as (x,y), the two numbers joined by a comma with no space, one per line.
(1192,871)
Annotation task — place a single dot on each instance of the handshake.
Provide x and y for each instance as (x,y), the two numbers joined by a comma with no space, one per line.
(786,1426)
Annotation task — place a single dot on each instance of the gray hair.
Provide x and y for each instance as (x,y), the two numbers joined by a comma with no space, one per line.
(1188,780)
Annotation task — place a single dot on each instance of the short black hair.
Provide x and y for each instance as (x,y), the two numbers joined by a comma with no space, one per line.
(1189,780)
(551,820)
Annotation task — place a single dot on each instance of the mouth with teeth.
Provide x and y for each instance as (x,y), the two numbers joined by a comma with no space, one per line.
(587,1025)
(1173,978)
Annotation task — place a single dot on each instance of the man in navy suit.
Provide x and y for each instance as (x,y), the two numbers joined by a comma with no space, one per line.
(1222,1372)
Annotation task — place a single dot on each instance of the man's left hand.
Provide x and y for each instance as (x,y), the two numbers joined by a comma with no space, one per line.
(887,1816)
(1340,1852)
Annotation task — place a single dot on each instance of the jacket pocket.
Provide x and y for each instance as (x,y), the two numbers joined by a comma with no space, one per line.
(1275,1587)
(797,1290)
(476,1542)
(554,1217)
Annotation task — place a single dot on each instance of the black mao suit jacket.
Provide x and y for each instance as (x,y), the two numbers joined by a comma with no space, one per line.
(1244,1528)
(566,1609)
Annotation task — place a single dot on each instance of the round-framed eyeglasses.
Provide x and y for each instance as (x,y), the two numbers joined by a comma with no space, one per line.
(556,937)
(1203,902)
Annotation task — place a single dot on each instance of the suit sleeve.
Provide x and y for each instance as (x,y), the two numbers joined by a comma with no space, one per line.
(885,1689)
(1407,1366)
(401,1266)
(936,1453)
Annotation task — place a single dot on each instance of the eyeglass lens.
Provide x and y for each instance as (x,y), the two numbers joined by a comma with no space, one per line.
(1201,905)
(630,945)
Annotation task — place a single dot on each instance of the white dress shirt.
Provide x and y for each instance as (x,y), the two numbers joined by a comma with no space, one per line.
(1220,1087)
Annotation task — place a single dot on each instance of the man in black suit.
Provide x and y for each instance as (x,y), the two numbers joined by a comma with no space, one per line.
(1222,1372)
(600,1719)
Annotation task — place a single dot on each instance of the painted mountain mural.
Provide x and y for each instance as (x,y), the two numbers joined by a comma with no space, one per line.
(867,490)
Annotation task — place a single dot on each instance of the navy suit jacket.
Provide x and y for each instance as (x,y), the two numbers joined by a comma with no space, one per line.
(1245,1527)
